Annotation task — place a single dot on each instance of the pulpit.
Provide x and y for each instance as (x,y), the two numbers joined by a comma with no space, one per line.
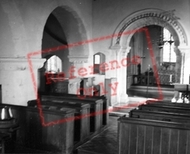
(59,86)
(56,83)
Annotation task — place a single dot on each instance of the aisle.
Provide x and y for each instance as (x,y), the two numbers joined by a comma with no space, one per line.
(103,143)
(106,141)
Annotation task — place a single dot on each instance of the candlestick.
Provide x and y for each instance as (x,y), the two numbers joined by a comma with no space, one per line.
(3,114)
(170,78)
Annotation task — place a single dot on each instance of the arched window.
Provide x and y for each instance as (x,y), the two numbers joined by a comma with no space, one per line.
(54,64)
(99,58)
(168,47)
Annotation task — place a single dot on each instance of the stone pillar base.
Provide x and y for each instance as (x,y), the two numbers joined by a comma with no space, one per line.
(123,99)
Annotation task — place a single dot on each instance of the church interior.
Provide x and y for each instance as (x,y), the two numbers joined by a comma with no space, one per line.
(95,76)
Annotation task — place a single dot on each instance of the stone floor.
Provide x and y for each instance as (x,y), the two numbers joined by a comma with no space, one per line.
(106,141)
(103,143)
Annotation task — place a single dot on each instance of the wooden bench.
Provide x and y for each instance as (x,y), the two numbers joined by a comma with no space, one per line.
(144,136)
(165,108)
(82,119)
(82,97)
(159,115)
(57,137)
(96,107)
(167,103)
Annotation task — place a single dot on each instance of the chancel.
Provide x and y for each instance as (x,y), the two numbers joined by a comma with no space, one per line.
(93,76)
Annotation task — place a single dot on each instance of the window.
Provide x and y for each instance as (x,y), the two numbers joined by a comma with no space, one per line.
(54,64)
(168,47)
(99,58)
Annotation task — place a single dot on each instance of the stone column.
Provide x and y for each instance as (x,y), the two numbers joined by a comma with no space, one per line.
(122,96)
(185,58)
(182,69)
(19,79)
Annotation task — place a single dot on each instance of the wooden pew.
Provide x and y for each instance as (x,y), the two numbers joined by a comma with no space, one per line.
(159,115)
(82,97)
(167,103)
(144,136)
(57,137)
(82,119)
(165,108)
(96,107)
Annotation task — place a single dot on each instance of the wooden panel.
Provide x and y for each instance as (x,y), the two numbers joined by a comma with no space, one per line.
(159,137)
(81,122)
(96,108)
(174,141)
(124,132)
(32,134)
(60,86)
(182,147)
(94,98)
(165,140)
(159,115)
(148,147)
(165,109)
(140,139)
(133,139)
(156,140)
(188,143)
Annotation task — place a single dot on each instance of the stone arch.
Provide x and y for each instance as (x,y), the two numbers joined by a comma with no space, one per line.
(74,31)
(148,17)
(17,28)
(136,21)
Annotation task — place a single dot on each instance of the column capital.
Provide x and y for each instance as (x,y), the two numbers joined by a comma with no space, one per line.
(78,59)
(184,49)
(13,64)
(115,47)
(125,50)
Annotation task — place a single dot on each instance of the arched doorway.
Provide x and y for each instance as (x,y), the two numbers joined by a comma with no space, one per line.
(134,23)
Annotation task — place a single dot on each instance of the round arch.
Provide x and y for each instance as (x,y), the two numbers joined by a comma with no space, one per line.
(145,18)
(138,20)
(74,30)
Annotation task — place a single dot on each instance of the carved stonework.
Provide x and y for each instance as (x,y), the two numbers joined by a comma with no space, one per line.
(124,51)
(152,16)
(74,86)
(20,64)
(78,59)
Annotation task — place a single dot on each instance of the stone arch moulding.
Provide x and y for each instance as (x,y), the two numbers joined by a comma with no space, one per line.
(148,17)
(75,32)
(136,21)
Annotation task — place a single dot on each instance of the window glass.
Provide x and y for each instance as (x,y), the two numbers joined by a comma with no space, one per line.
(97,59)
(54,64)
(168,47)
